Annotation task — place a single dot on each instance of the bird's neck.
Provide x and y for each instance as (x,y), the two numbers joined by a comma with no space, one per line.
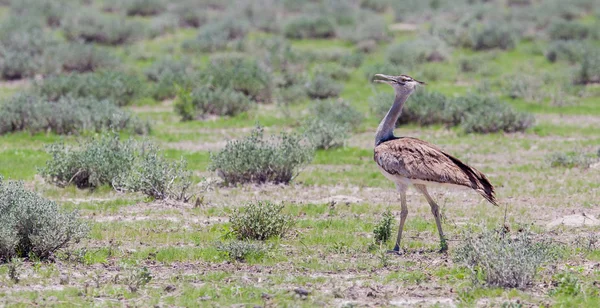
(385,131)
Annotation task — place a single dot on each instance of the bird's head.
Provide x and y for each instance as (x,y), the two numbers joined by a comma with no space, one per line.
(401,84)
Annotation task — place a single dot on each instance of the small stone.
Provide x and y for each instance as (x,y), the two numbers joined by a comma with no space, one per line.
(301,291)
(170,288)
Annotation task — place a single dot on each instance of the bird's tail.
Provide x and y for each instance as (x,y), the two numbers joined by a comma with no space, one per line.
(479,181)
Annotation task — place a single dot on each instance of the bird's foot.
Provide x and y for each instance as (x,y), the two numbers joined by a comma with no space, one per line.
(396,251)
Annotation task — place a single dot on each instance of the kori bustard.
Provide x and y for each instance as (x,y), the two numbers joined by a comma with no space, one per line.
(409,161)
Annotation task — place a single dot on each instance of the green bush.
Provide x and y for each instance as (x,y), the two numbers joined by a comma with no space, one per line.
(370,27)
(125,165)
(166,75)
(493,35)
(502,260)
(570,160)
(383,230)
(417,51)
(323,86)
(571,51)
(117,87)
(527,87)
(32,226)
(189,15)
(375,5)
(81,58)
(485,114)
(217,35)
(23,45)
(330,122)
(50,11)
(144,7)
(354,59)
(259,160)
(208,100)
(91,26)
(242,250)
(307,26)
(242,73)
(570,30)
(334,71)
(260,220)
(589,67)
(67,115)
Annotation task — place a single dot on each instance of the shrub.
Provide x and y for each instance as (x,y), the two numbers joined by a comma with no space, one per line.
(242,250)
(371,27)
(352,60)
(78,57)
(144,7)
(260,220)
(244,74)
(565,284)
(22,47)
(189,15)
(67,115)
(91,26)
(493,35)
(333,71)
(571,51)
(410,53)
(217,35)
(265,15)
(208,100)
(167,74)
(120,88)
(136,276)
(307,26)
(527,87)
(125,165)
(376,5)
(484,114)
(504,261)
(569,30)
(51,12)
(589,68)
(32,226)
(330,122)
(323,86)
(383,230)
(570,160)
(259,160)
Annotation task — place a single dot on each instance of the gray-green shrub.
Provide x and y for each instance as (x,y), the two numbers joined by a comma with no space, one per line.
(570,159)
(144,7)
(383,229)
(23,44)
(217,35)
(126,165)
(571,51)
(589,67)
(67,115)
(241,250)
(79,57)
(118,87)
(421,50)
(258,159)
(330,123)
(493,35)
(502,260)
(33,226)
(50,11)
(323,86)
(166,74)
(486,114)
(308,26)
(91,26)
(571,30)
(260,220)
(208,100)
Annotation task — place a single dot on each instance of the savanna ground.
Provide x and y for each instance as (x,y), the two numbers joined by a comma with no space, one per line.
(327,258)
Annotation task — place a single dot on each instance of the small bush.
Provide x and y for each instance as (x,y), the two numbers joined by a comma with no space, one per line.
(565,284)
(304,27)
(484,114)
(323,86)
(570,160)
(410,53)
(571,51)
(334,71)
(32,226)
(189,15)
(501,260)
(125,165)
(330,123)
(242,73)
(527,87)
(208,100)
(136,276)
(66,115)
(51,12)
(383,230)
(339,111)
(376,5)
(570,30)
(242,250)
(218,35)
(120,88)
(166,75)
(92,26)
(259,160)
(352,60)
(23,45)
(325,135)
(493,35)
(370,28)
(260,220)
(144,7)
(81,58)
(589,68)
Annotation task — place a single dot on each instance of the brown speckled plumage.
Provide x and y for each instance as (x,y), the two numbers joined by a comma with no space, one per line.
(419,160)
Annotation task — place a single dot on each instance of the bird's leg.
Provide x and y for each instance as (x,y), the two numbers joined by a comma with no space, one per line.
(403,215)
(435,210)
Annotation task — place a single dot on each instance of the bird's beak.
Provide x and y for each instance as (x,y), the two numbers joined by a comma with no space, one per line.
(420,82)
(384,78)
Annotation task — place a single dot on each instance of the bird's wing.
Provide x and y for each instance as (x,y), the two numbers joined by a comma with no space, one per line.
(416,159)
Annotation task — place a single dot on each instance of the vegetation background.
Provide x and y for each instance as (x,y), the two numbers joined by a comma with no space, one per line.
(219,153)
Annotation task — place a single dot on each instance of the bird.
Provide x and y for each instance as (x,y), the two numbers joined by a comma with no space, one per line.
(410,161)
